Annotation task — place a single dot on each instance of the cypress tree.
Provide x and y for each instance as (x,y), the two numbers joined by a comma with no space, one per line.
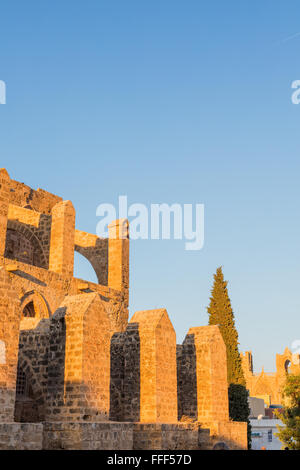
(220,313)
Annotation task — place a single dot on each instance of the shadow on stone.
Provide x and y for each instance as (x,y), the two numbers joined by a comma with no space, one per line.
(187,379)
(125,375)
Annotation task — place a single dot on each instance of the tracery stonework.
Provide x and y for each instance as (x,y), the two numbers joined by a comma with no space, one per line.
(269,385)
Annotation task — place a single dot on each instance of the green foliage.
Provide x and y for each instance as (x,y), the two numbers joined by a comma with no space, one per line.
(290,416)
(220,313)
(239,406)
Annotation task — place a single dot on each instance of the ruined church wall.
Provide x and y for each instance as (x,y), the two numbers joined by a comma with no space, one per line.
(269,385)
(39,200)
(125,375)
(187,379)
(95,250)
(54,287)
(28,236)
(24,436)
(9,336)
(33,360)
(80,362)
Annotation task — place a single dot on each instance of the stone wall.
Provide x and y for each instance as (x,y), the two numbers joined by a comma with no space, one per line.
(25,436)
(117,436)
(95,250)
(125,436)
(38,229)
(202,375)
(38,200)
(117,364)
(33,362)
(81,389)
(269,385)
(232,433)
(118,255)
(28,236)
(169,437)
(158,382)
(125,375)
(61,258)
(143,370)
(9,335)
(53,287)
(187,379)
(88,436)
(69,342)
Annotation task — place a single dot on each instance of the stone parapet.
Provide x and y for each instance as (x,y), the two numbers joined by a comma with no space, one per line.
(232,433)
(161,436)
(88,436)
(21,436)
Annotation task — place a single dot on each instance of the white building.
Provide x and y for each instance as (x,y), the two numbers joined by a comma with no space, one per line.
(263,434)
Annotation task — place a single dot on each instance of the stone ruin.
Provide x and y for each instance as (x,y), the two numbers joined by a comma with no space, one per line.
(269,385)
(74,373)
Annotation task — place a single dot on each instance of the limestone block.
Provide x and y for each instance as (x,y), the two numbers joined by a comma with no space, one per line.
(158,376)
(9,336)
(118,254)
(4,204)
(80,367)
(211,369)
(61,258)
(202,374)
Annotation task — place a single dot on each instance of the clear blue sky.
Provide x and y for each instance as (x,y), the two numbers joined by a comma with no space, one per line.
(169,101)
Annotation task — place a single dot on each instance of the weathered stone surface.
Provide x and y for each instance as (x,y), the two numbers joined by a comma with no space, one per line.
(79,383)
(269,386)
(4,204)
(69,359)
(187,379)
(25,436)
(158,382)
(125,436)
(88,436)
(33,361)
(9,336)
(158,436)
(118,254)
(203,375)
(61,258)
(233,434)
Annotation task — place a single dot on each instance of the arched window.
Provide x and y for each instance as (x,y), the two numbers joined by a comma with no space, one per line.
(29,311)
(23,245)
(29,406)
(22,383)
(287,366)
(19,247)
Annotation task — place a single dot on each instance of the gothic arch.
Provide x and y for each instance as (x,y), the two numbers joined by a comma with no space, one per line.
(287,365)
(40,304)
(283,361)
(38,401)
(89,259)
(40,259)
(265,385)
(95,250)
